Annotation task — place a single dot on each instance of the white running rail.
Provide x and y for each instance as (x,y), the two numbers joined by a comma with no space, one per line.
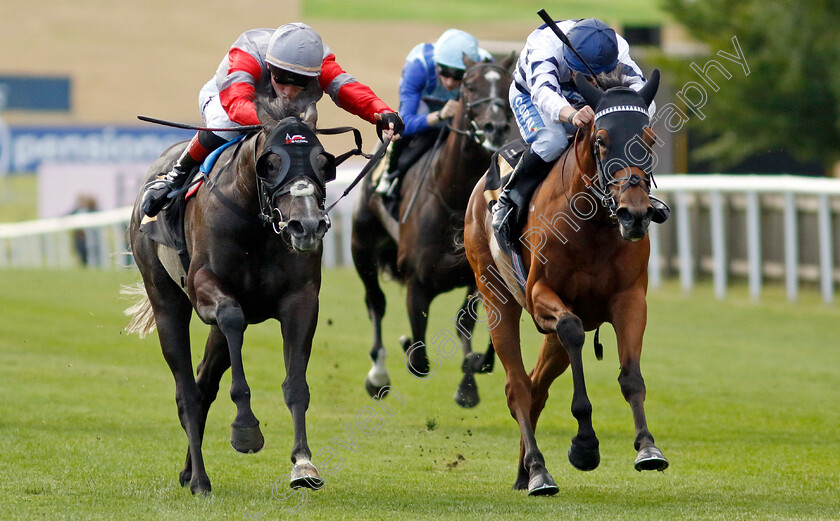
(760,228)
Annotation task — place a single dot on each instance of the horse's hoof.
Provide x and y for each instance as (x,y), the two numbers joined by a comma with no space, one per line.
(478,364)
(247,440)
(467,393)
(416,360)
(651,458)
(305,475)
(374,390)
(542,484)
(584,458)
(184,477)
(200,487)
(521,482)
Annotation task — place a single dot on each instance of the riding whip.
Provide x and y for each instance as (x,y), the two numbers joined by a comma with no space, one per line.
(374,159)
(549,21)
(244,128)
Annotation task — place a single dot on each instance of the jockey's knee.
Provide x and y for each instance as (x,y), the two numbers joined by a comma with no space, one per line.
(549,144)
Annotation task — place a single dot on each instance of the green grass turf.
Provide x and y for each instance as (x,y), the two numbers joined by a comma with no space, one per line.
(742,398)
(464,11)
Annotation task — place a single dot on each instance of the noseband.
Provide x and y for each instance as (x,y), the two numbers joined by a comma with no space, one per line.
(271,214)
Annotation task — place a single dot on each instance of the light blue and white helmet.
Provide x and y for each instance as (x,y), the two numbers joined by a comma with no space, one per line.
(296,48)
(450,47)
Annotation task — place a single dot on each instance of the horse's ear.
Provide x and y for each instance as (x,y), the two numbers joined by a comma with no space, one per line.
(509,61)
(468,62)
(592,95)
(262,111)
(310,116)
(649,90)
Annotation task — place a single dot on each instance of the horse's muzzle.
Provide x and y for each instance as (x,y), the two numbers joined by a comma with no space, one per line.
(634,223)
(307,232)
(495,134)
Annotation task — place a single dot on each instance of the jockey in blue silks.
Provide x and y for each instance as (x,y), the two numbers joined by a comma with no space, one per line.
(429,90)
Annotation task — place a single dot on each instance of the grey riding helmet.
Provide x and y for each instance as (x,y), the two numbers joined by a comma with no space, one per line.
(296,48)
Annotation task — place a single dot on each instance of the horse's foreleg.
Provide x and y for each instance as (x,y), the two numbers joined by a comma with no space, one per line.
(210,370)
(467,393)
(629,320)
(418,301)
(214,305)
(551,314)
(298,317)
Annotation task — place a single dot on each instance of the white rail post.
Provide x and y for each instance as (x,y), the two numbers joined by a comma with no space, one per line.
(826,262)
(754,244)
(346,236)
(718,242)
(684,242)
(791,246)
(655,261)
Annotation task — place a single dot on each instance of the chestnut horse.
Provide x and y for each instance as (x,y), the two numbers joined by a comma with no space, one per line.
(253,235)
(426,256)
(586,259)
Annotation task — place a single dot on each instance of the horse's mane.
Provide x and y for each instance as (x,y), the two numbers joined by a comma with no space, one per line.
(272,110)
(612,79)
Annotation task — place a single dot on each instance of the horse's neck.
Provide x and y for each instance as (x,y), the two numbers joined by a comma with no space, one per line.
(460,163)
(577,174)
(240,182)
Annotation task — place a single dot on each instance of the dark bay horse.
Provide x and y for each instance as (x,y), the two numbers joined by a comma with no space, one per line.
(585,251)
(254,246)
(426,256)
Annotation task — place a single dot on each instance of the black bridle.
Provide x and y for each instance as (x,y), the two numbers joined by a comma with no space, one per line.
(605,177)
(269,214)
(473,132)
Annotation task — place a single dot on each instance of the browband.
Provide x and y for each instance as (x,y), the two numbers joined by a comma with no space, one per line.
(621,108)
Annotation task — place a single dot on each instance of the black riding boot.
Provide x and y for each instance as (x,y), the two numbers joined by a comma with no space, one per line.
(529,172)
(156,195)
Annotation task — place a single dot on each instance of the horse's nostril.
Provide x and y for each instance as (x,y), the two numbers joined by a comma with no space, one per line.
(296,229)
(624,215)
(322,227)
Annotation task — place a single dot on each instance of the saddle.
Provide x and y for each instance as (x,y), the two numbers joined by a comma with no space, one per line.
(501,165)
(167,227)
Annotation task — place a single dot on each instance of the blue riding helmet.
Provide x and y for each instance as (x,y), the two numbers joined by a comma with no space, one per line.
(450,47)
(596,43)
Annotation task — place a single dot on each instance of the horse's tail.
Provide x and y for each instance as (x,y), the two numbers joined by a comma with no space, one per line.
(142,318)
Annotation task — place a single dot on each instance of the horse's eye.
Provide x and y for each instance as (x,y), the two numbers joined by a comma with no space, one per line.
(273,163)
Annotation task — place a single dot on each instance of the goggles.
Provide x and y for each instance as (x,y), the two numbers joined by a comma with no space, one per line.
(283,77)
(451,72)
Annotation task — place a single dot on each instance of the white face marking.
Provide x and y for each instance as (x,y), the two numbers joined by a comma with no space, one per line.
(492,76)
(302,189)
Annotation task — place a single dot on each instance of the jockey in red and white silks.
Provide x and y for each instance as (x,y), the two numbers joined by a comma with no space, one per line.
(289,62)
